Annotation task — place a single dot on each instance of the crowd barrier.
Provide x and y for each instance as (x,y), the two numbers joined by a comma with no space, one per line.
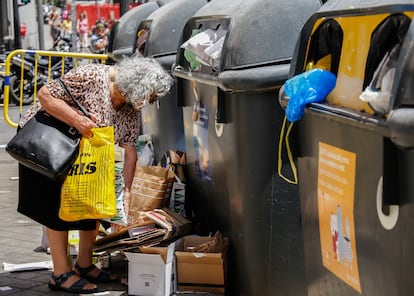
(29,64)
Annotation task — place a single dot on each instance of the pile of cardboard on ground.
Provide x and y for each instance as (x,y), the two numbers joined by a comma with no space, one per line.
(164,259)
(146,218)
(190,264)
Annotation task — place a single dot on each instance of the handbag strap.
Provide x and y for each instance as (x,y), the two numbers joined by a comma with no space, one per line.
(80,107)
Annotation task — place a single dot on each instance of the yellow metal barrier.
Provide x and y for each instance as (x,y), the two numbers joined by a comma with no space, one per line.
(77,59)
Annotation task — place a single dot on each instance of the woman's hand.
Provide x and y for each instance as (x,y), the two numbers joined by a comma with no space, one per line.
(85,125)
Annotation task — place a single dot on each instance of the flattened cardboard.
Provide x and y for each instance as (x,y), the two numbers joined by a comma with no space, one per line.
(170,226)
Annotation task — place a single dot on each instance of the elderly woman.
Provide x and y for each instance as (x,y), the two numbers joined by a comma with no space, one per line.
(113,95)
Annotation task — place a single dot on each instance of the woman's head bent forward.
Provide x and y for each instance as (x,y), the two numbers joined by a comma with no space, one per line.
(141,79)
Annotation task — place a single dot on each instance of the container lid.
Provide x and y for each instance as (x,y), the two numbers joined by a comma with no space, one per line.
(258,32)
(124,37)
(358,4)
(166,24)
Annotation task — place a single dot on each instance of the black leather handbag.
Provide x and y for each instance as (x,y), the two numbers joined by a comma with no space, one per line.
(46,144)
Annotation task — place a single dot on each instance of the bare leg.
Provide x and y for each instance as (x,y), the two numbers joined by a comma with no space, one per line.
(58,242)
(84,260)
(86,240)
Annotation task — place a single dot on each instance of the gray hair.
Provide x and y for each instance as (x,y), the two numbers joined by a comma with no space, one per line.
(139,77)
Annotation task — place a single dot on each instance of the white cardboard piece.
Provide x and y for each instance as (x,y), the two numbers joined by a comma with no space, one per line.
(27,266)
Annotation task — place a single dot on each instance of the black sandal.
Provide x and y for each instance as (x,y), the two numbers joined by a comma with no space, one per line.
(77,287)
(103,276)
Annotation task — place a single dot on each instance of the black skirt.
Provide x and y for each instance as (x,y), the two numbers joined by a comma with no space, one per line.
(39,199)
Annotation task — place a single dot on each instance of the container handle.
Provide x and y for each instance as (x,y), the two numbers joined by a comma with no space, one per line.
(390,172)
(390,219)
(220,116)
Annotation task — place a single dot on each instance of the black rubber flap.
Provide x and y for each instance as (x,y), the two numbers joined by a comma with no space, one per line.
(403,88)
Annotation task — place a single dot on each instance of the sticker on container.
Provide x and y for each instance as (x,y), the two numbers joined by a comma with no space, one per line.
(201,155)
(336,192)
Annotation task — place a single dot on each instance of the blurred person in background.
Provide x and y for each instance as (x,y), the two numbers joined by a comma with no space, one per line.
(66,24)
(99,40)
(54,23)
(82,27)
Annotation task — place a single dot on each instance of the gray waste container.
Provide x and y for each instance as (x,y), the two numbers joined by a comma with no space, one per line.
(159,38)
(356,156)
(122,42)
(111,42)
(232,122)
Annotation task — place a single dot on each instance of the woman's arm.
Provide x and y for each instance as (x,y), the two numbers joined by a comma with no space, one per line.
(130,162)
(64,112)
(129,165)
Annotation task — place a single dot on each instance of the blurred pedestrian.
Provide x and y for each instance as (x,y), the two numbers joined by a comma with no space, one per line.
(66,25)
(99,40)
(54,23)
(82,27)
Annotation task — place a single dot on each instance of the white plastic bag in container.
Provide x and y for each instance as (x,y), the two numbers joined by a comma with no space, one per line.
(378,93)
(145,151)
(207,46)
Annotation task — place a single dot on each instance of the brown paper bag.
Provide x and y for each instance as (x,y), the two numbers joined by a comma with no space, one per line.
(151,189)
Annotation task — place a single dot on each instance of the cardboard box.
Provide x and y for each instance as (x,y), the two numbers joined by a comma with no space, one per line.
(204,272)
(152,272)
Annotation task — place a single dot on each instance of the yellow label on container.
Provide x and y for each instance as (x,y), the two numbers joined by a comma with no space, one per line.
(336,183)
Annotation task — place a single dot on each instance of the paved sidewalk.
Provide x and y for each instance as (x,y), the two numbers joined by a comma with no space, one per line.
(20,236)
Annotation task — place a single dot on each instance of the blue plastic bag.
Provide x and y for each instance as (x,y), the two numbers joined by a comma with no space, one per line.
(308,87)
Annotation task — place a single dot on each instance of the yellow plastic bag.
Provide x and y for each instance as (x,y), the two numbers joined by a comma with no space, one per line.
(88,191)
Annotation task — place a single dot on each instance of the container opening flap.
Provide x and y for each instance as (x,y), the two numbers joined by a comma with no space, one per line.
(141,38)
(390,33)
(384,50)
(325,47)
